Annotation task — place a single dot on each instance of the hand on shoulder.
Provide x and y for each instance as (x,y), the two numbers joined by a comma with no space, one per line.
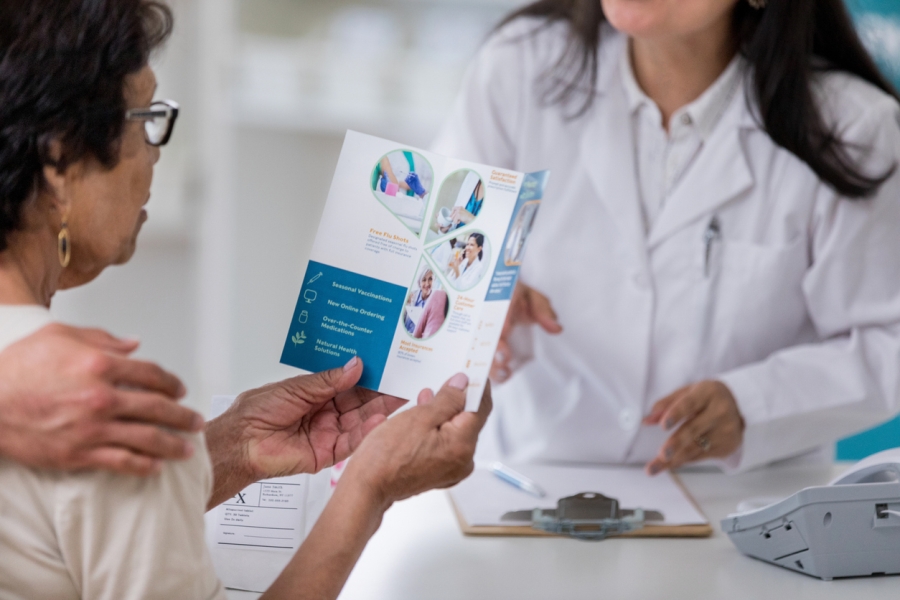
(71,398)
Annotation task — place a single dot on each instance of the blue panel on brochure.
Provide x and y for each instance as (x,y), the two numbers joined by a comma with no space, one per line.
(513,250)
(340,315)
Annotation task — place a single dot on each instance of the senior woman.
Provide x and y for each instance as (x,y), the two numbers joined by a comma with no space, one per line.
(417,300)
(719,237)
(433,315)
(79,135)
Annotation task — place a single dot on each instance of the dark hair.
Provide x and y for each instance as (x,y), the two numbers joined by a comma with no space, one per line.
(782,42)
(479,239)
(63,65)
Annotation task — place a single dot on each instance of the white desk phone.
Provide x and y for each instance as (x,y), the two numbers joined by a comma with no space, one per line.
(848,528)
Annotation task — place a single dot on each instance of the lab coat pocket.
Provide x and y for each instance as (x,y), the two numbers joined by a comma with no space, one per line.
(756,303)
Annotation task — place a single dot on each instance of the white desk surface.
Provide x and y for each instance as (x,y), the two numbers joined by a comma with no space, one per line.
(420,554)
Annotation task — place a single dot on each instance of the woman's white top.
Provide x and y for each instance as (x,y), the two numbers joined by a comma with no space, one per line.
(469,274)
(794,303)
(97,535)
(662,157)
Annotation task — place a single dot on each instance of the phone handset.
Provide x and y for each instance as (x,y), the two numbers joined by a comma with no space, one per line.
(883,467)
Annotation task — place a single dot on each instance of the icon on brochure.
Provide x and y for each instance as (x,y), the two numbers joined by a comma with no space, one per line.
(303,318)
(310,296)
(299,338)
(314,279)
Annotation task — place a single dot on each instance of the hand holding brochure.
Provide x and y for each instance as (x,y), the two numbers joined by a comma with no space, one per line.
(413,267)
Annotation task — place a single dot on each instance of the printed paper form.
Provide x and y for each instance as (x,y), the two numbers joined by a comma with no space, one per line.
(483,498)
(265,515)
(268,515)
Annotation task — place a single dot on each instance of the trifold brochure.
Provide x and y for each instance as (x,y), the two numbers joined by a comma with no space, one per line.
(413,267)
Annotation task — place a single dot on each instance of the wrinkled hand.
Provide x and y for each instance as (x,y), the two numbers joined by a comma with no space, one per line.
(528,307)
(432,445)
(429,446)
(71,398)
(709,416)
(299,425)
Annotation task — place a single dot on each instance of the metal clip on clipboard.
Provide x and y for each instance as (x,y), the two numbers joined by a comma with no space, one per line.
(586,516)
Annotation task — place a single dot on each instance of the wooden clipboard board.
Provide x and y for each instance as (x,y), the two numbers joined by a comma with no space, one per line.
(654,531)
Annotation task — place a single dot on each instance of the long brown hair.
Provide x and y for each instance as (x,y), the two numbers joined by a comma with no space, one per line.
(786,43)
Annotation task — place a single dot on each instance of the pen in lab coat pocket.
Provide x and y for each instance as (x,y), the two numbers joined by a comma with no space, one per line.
(712,233)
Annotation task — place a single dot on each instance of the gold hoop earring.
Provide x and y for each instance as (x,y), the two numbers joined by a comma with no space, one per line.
(757,4)
(64,245)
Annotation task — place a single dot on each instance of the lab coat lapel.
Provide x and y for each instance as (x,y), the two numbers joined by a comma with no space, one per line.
(607,152)
(720,173)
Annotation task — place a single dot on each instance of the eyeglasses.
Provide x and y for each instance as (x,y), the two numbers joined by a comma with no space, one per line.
(159,120)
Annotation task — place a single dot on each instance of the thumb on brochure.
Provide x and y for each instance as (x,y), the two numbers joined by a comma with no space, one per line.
(325,385)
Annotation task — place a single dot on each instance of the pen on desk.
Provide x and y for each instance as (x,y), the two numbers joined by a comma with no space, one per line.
(517,480)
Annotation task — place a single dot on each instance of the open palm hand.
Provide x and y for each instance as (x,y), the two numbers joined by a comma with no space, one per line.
(308,423)
(299,425)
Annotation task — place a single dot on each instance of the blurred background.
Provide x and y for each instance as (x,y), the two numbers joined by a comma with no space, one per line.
(268,88)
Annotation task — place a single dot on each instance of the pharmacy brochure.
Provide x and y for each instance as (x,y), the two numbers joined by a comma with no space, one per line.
(413,267)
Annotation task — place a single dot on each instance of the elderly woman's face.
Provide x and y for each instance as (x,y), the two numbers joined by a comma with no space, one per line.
(106,206)
(426,283)
(665,18)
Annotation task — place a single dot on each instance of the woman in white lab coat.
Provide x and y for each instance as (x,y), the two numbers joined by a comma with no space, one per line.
(720,238)
(466,270)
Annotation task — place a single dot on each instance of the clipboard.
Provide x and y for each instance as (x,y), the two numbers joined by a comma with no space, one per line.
(698,530)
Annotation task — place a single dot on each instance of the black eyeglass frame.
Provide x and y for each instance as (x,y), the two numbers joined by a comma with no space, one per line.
(158,108)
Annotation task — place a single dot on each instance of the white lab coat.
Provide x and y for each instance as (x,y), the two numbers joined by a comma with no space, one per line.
(799,313)
(469,275)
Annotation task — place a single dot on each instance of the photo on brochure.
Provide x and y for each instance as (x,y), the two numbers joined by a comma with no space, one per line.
(463,260)
(458,204)
(427,304)
(412,284)
(402,181)
(515,245)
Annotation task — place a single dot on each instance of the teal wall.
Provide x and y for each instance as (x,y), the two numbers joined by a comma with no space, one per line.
(878,22)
